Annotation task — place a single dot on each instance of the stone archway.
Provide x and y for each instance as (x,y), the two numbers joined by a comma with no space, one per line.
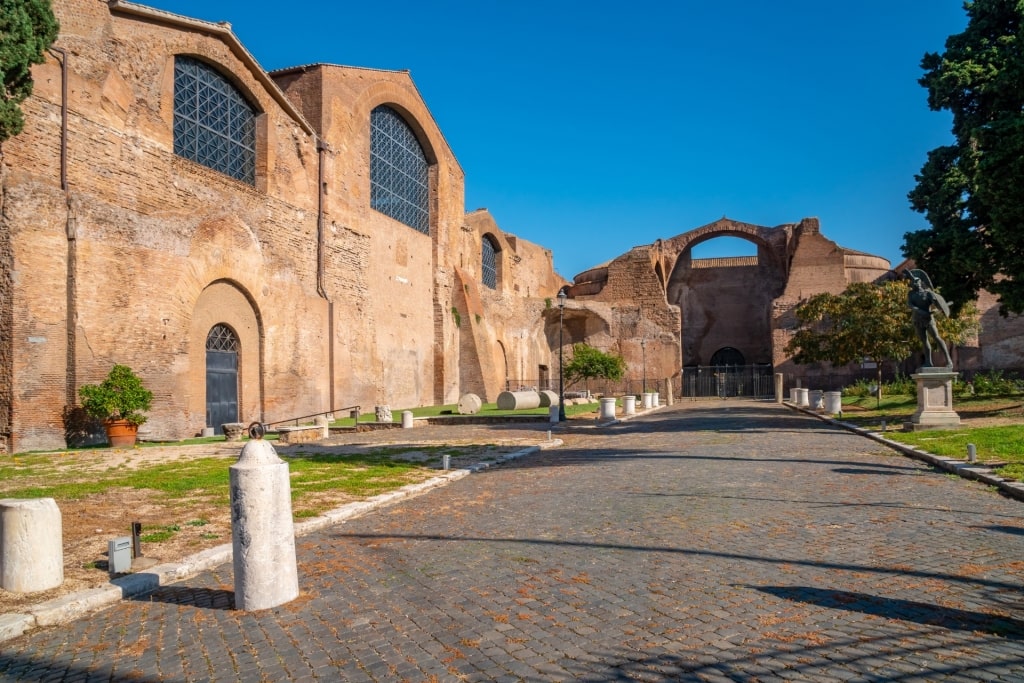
(727,302)
(225,304)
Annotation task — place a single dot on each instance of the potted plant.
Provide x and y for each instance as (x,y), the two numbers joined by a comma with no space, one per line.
(118,402)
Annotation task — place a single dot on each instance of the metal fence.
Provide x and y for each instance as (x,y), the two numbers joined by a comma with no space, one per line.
(727,381)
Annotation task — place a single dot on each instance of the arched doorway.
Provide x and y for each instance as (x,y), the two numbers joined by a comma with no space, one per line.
(221,377)
(727,355)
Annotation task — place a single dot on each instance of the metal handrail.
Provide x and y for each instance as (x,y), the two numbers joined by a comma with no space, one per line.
(295,420)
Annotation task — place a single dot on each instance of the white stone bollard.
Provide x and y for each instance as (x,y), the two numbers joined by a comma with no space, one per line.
(607,409)
(406,419)
(802,398)
(629,405)
(793,394)
(262,530)
(31,550)
(814,399)
(647,400)
(833,402)
(656,400)
(325,426)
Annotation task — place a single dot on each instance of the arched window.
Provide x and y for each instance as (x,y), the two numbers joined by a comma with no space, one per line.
(399,185)
(489,263)
(214,125)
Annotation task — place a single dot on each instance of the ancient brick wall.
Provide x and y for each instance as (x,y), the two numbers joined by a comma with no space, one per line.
(333,303)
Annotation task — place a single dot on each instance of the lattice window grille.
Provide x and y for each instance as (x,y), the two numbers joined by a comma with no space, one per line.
(399,184)
(221,338)
(213,123)
(489,264)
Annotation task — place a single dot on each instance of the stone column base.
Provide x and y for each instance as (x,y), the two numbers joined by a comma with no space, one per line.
(934,400)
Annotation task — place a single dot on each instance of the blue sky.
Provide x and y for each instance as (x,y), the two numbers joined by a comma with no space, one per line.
(594,127)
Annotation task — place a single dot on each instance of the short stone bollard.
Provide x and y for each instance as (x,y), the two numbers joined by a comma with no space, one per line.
(802,398)
(262,531)
(647,401)
(815,399)
(629,405)
(382,413)
(833,402)
(607,409)
(406,419)
(31,550)
(793,392)
(325,426)
(656,400)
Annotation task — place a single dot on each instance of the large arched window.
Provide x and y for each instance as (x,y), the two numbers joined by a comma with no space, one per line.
(489,263)
(214,125)
(399,185)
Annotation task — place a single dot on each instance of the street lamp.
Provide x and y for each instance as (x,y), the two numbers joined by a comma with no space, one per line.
(561,375)
(643,352)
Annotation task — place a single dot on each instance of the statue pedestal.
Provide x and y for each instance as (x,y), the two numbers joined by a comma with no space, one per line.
(934,400)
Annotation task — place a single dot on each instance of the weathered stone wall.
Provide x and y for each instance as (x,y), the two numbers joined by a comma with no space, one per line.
(334,304)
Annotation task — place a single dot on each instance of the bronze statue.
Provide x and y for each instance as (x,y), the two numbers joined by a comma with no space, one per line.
(921,299)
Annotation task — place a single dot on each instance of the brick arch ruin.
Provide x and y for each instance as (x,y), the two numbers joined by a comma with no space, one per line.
(727,302)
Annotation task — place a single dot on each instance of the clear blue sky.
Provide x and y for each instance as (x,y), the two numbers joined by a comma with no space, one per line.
(594,127)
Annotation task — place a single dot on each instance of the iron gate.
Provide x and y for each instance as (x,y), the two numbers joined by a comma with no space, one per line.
(728,381)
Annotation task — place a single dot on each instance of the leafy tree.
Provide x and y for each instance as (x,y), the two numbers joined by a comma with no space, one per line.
(972,191)
(588,363)
(27,29)
(868,321)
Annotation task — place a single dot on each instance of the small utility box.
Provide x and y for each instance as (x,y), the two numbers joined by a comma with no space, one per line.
(119,554)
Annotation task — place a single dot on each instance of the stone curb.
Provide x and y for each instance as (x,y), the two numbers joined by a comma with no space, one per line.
(962,468)
(70,607)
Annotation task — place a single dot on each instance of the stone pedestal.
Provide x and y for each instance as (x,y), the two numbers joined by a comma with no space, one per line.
(803,397)
(647,400)
(607,408)
(31,550)
(833,402)
(815,399)
(262,530)
(934,400)
(629,405)
(406,419)
(233,431)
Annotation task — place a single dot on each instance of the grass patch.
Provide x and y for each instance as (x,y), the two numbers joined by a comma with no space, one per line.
(995,444)
(488,409)
(160,535)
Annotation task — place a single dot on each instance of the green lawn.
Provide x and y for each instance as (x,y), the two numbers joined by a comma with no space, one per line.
(993,444)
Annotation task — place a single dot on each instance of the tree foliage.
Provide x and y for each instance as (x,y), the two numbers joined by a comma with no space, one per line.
(588,363)
(868,322)
(27,29)
(972,191)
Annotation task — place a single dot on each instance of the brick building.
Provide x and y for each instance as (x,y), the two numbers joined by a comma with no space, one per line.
(658,306)
(256,246)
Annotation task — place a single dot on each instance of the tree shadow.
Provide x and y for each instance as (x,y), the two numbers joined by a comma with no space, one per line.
(950,618)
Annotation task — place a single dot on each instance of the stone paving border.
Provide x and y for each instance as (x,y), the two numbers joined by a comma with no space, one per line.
(70,607)
(960,467)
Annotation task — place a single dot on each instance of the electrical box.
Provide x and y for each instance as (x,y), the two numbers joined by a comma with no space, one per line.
(119,554)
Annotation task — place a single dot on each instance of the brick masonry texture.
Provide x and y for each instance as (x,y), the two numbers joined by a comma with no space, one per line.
(334,304)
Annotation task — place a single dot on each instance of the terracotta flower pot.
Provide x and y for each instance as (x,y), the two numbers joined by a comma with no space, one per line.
(121,433)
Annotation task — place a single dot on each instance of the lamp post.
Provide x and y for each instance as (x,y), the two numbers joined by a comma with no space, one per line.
(643,352)
(561,375)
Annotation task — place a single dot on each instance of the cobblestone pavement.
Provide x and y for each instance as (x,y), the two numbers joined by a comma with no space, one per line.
(722,541)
